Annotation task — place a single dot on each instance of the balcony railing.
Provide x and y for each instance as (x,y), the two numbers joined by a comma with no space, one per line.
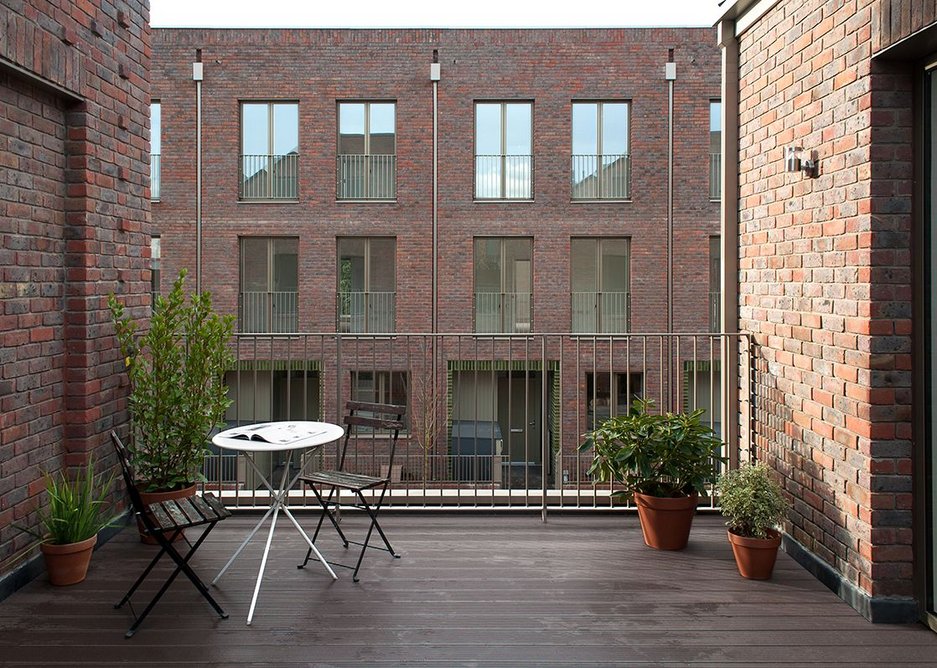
(715,175)
(494,421)
(601,176)
(715,311)
(603,312)
(269,176)
(154,176)
(360,312)
(366,176)
(504,176)
(502,312)
(268,312)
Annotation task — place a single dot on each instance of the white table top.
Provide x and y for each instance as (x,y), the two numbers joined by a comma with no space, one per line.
(276,436)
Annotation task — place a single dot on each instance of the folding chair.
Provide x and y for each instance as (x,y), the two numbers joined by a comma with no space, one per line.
(386,417)
(165,521)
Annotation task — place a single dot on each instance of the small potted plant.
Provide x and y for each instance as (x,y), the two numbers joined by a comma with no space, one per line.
(77,511)
(753,506)
(661,460)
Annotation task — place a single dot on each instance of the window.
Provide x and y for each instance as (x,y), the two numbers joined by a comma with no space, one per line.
(380,387)
(503,284)
(156,136)
(269,284)
(367,150)
(601,163)
(605,400)
(600,280)
(503,154)
(155,253)
(715,149)
(715,271)
(269,150)
(366,284)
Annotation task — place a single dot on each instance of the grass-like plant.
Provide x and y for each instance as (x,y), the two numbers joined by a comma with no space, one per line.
(657,454)
(77,509)
(751,500)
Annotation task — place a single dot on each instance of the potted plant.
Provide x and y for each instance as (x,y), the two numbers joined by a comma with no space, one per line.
(753,505)
(70,524)
(662,461)
(177,392)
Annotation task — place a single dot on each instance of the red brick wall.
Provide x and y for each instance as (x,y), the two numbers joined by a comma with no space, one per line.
(74,226)
(825,282)
(551,68)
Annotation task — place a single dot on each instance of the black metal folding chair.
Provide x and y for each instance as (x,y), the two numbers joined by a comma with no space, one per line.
(387,417)
(165,521)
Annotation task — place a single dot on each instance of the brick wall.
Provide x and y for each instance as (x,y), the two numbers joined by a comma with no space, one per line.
(74,226)
(825,282)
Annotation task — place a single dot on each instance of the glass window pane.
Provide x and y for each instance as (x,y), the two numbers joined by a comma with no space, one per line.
(614,128)
(156,129)
(351,253)
(255,129)
(517,274)
(351,128)
(253,264)
(285,129)
(488,129)
(585,129)
(715,264)
(382,129)
(487,265)
(715,127)
(285,273)
(382,274)
(517,135)
(614,265)
(582,259)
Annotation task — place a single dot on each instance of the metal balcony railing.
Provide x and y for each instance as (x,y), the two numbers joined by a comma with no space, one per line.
(504,176)
(361,312)
(268,312)
(601,176)
(366,176)
(715,176)
(502,312)
(602,312)
(268,177)
(154,176)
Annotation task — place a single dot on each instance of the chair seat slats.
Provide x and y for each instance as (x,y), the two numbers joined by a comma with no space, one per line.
(178,517)
(189,510)
(161,517)
(345,480)
(220,511)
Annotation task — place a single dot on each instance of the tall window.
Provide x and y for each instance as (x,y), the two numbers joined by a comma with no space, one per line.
(269,284)
(366,284)
(503,285)
(503,153)
(715,149)
(715,271)
(605,399)
(269,166)
(367,150)
(600,276)
(156,141)
(601,163)
(155,269)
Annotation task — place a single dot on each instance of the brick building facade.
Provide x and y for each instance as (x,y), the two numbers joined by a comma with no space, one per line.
(74,227)
(834,281)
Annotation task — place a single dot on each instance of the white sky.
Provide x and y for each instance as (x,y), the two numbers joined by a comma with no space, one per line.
(435,14)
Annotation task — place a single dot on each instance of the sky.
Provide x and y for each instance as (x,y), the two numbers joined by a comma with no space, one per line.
(435,14)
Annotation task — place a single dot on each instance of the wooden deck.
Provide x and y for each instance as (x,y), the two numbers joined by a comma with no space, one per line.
(470,590)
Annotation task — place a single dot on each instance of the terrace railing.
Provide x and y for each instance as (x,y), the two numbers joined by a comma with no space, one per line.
(601,176)
(504,176)
(361,312)
(268,312)
(606,312)
(366,176)
(265,177)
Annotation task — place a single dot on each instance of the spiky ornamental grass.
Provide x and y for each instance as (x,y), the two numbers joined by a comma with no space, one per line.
(77,508)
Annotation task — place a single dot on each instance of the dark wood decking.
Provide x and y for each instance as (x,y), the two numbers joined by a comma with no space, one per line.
(469,590)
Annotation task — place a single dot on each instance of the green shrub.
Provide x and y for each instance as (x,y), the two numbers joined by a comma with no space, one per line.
(666,455)
(751,500)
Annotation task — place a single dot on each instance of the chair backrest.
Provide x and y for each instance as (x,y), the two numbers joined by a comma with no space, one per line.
(126,469)
(386,417)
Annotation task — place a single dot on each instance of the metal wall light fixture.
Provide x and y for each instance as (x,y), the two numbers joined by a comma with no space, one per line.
(793,162)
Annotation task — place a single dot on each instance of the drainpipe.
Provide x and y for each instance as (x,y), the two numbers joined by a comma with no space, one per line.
(197,78)
(434,75)
(670,75)
(729,241)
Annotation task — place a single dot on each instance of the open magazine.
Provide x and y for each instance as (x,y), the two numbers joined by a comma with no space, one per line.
(282,433)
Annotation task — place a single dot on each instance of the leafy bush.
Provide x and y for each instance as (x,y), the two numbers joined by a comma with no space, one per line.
(77,509)
(665,455)
(751,501)
(177,391)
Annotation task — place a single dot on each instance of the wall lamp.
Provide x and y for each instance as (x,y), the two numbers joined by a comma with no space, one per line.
(793,162)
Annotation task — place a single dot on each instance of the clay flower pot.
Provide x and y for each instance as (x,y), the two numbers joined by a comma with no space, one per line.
(68,564)
(755,557)
(157,497)
(666,522)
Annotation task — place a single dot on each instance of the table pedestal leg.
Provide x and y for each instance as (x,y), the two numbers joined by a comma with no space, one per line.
(263,564)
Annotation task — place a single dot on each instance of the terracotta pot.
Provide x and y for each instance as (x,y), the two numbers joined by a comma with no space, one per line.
(755,557)
(157,497)
(666,522)
(68,564)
